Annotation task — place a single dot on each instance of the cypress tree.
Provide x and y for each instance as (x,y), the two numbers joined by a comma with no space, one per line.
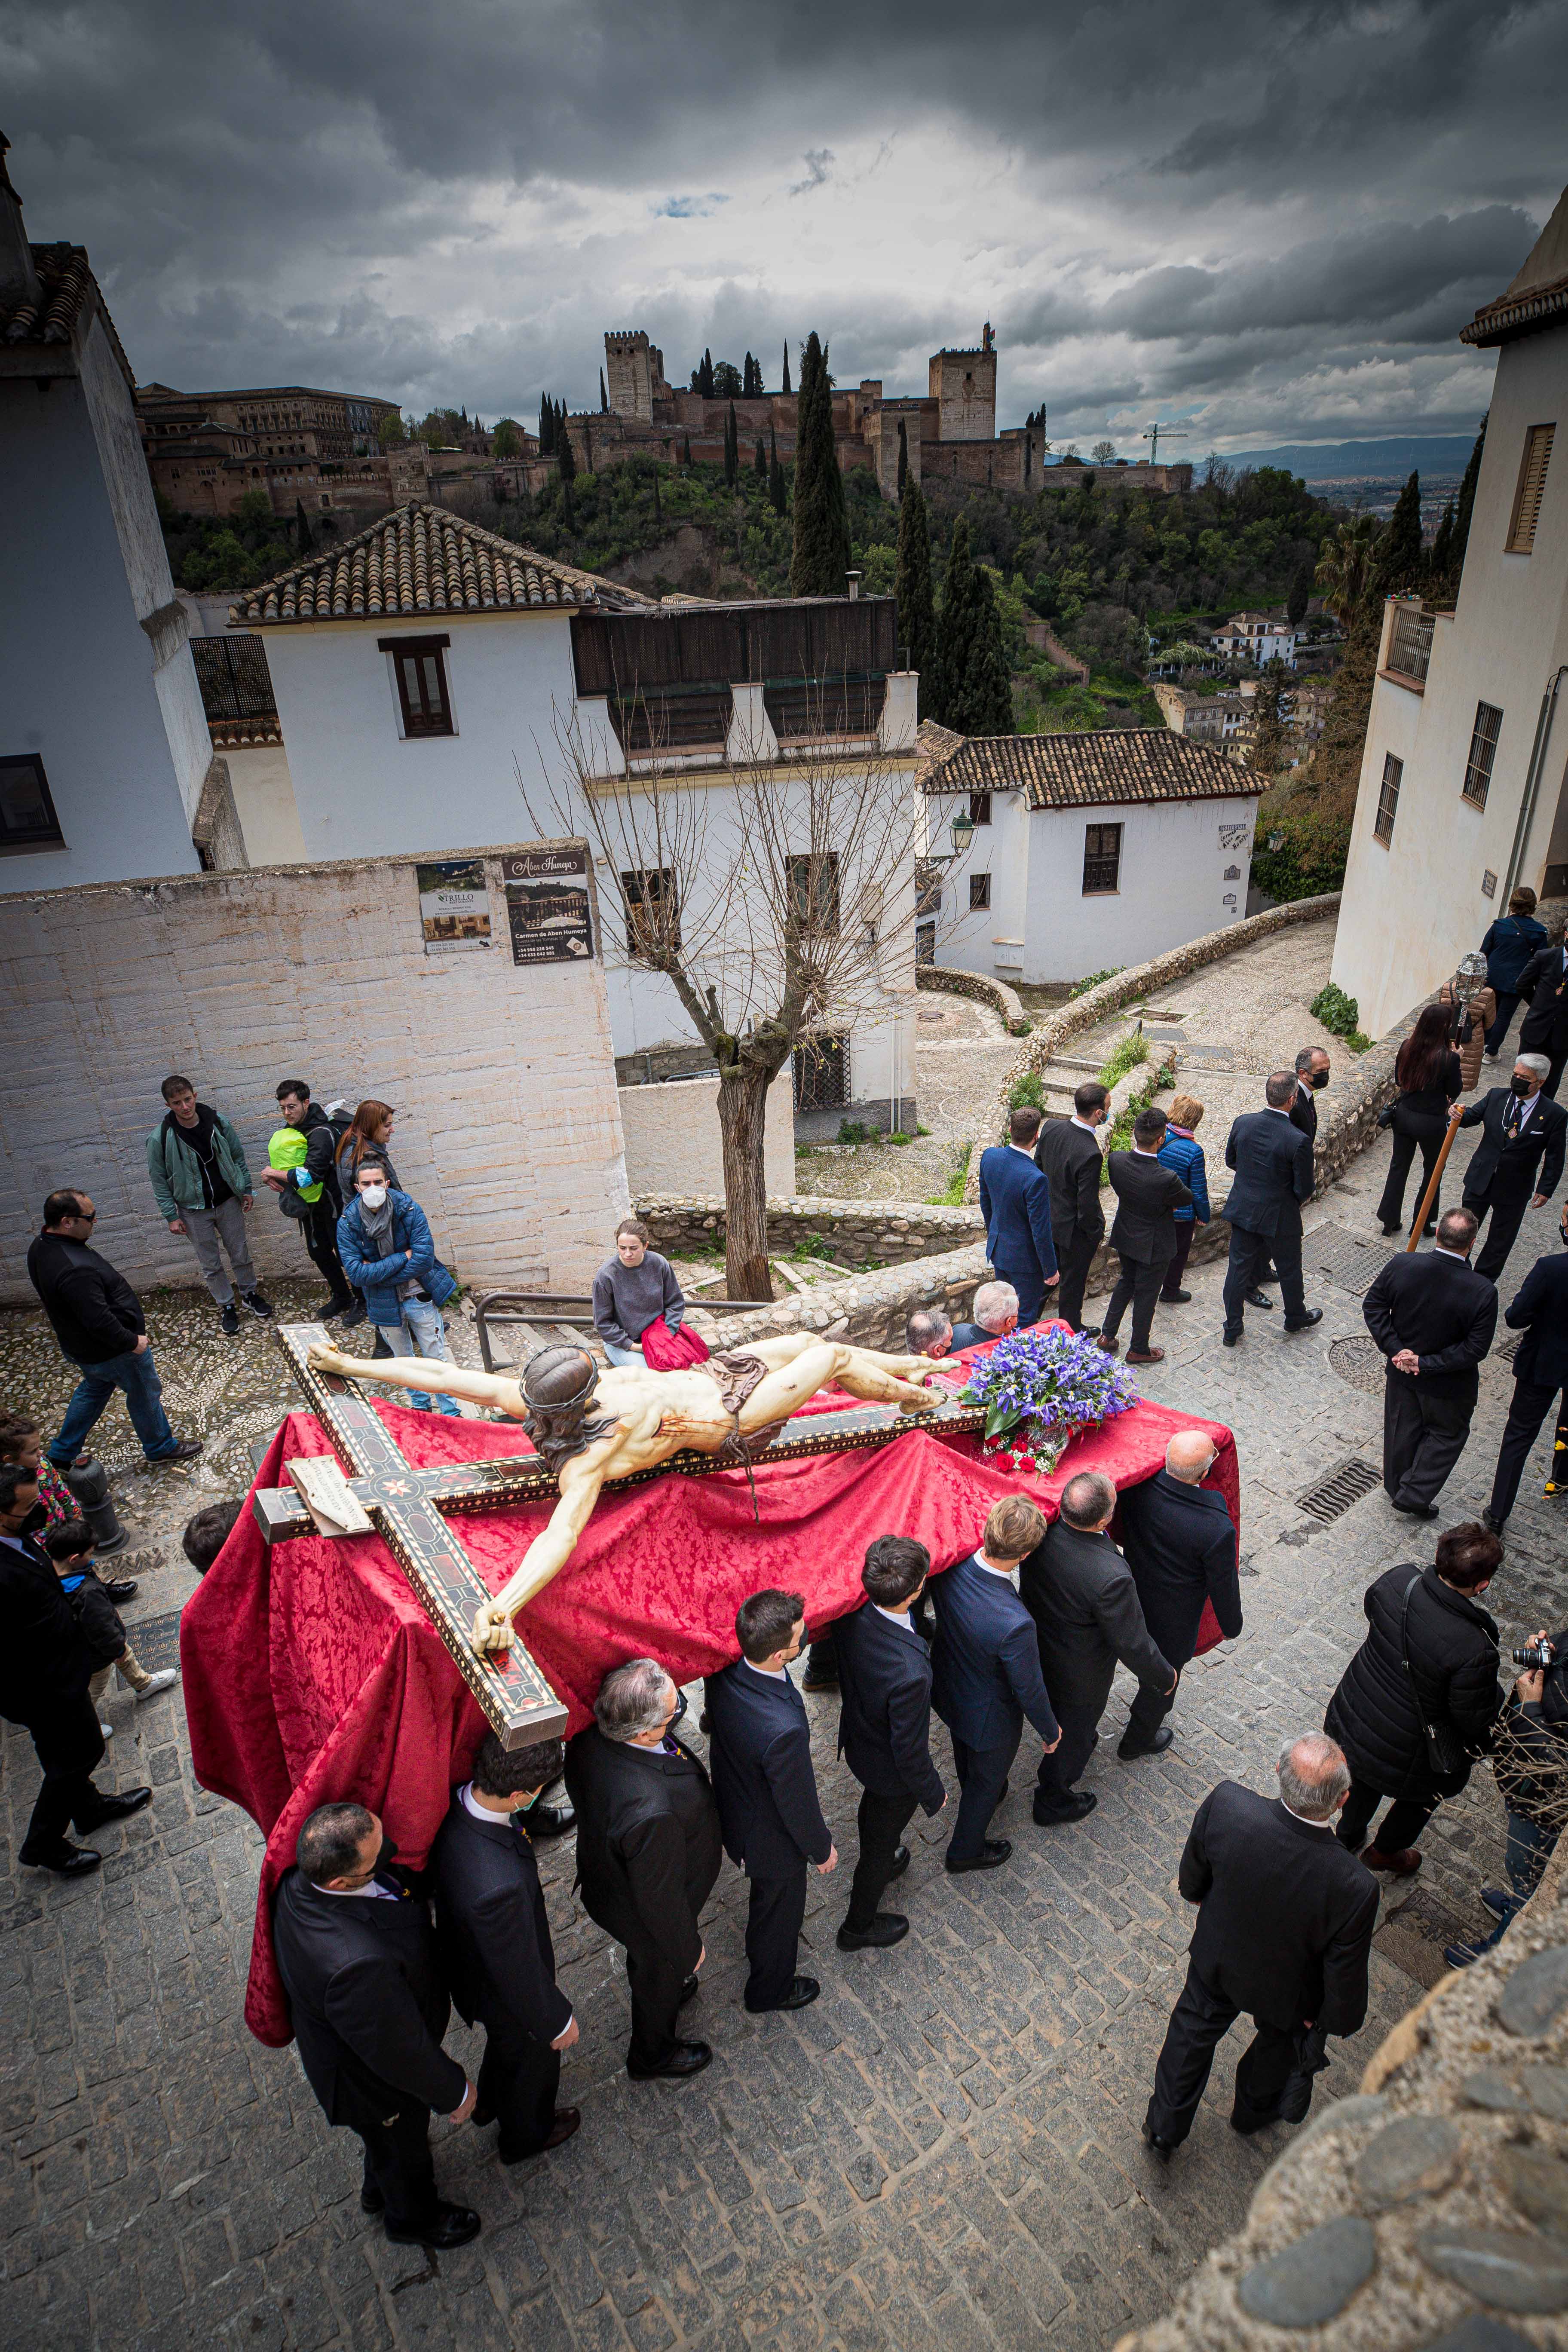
(987,697)
(911,586)
(658,511)
(820,557)
(603,395)
(784,387)
(775,473)
(705,377)
(686,451)
(903,456)
(1267,746)
(1300,590)
(954,631)
(565,456)
(303,543)
(1443,545)
(1401,559)
(1467,500)
(546,426)
(973,695)
(762,463)
(731,450)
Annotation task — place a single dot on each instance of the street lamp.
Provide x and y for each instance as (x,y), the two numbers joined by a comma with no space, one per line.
(963,831)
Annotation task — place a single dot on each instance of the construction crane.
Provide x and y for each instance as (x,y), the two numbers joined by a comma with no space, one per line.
(1152,437)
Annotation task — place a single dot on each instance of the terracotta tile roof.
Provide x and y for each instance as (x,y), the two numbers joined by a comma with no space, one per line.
(1089,770)
(422,560)
(67,288)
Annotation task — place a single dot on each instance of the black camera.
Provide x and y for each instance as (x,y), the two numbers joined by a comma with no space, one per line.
(1536,1658)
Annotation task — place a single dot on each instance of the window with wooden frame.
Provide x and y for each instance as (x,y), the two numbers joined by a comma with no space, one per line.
(653,910)
(1388,798)
(419,667)
(1483,752)
(813,893)
(1527,498)
(979,808)
(1101,860)
(979,893)
(27,819)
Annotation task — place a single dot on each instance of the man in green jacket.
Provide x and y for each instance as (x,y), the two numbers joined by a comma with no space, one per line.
(203,1187)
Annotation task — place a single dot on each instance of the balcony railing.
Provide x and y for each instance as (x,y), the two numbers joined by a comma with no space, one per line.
(1410,644)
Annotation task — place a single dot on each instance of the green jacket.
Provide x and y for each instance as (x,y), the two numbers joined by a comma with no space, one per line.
(176,1172)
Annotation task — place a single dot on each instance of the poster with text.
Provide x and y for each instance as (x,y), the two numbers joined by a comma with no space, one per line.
(547,906)
(453,905)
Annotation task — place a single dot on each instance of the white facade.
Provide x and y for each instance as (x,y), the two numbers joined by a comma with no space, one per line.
(1256,637)
(1421,885)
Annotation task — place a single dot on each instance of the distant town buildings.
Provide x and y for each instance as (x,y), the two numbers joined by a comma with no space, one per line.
(1256,637)
(206,450)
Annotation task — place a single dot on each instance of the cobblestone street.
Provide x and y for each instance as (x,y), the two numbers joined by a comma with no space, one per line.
(944,2151)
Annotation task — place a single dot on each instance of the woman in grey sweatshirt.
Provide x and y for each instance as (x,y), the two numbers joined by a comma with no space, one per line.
(631,1290)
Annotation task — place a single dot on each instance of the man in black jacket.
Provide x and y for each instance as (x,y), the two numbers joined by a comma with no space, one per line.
(318,1219)
(1518,1163)
(98,1320)
(884,1730)
(1312,1072)
(1284,1929)
(1081,1593)
(1381,1710)
(986,1676)
(995,1314)
(45,1669)
(1539,1372)
(357,1955)
(648,1853)
(1545,1029)
(1180,1544)
(1272,1160)
(1434,1318)
(1068,1156)
(1147,1195)
(493,1938)
(768,1805)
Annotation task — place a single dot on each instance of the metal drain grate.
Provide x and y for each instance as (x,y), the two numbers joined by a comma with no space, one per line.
(1507,1350)
(1359,1363)
(156,1641)
(1345,1257)
(1333,1496)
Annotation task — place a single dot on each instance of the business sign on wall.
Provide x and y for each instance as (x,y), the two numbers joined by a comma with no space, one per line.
(453,905)
(547,906)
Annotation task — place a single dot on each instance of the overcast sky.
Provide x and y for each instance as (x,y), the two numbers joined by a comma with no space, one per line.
(1265,221)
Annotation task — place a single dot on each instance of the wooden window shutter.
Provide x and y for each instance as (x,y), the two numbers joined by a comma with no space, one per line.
(1532,488)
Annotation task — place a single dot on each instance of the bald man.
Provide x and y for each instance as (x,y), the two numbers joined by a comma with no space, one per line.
(1178,1541)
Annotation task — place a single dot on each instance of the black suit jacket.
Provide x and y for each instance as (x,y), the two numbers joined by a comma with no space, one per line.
(1544,981)
(1540,1312)
(760,1752)
(1273,1164)
(1504,1169)
(1285,1912)
(648,1848)
(1181,1548)
(366,1999)
(970,1335)
(45,1662)
(884,1720)
(1304,1111)
(985,1659)
(1437,1305)
(1148,1194)
(1069,1159)
(1081,1593)
(492,1929)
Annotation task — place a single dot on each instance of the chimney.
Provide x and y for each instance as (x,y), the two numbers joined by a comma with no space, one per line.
(19,278)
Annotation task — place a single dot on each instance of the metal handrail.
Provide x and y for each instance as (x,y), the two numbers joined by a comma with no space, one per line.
(575,1314)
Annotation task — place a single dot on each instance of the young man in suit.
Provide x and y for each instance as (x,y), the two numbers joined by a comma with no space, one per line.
(768,1805)
(1147,1195)
(1068,1156)
(1284,1929)
(493,1938)
(1272,1161)
(1180,1544)
(648,1852)
(986,1675)
(1539,1372)
(995,1313)
(357,1955)
(1015,1202)
(1434,1318)
(1545,1029)
(1079,1591)
(1518,1163)
(1312,1070)
(884,1730)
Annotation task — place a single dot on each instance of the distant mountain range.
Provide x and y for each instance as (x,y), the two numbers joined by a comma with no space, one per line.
(1362,461)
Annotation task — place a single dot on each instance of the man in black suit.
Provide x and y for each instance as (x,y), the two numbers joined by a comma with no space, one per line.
(768,1806)
(995,1313)
(1147,1195)
(884,1730)
(1180,1543)
(45,1669)
(1312,1071)
(1079,1591)
(1518,1163)
(648,1853)
(1434,1318)
(1284,1929)
(1068,1156)
(494,1941)
(1540,1373)
(357,1955)
(986,1675)
(1272,1160)
(1545,1029)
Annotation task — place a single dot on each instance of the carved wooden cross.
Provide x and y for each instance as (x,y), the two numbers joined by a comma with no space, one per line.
(379,1488)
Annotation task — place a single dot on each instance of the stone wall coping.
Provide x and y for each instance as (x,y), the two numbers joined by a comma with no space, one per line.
(812,1208)
(956,981)
(847,1309)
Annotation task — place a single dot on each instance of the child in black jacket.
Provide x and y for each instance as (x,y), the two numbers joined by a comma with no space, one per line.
(70,1546)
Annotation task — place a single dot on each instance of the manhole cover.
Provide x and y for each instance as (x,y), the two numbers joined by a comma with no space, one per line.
(1345,1257)
(928,1016)
(1359,1362)
(156,1641)
(1333,1496)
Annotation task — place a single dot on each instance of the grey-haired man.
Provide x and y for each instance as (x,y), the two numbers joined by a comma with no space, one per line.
(1518,1163)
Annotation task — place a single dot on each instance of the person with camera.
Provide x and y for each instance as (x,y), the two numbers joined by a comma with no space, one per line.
(1418,1702)
(1529,1765)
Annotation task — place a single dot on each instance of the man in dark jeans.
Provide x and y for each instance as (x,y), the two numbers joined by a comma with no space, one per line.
(98,1320)
(319,1222)
(1540,1373)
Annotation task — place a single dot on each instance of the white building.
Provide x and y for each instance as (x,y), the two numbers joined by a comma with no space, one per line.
(1256,637)
(1087,851)
(1462,792)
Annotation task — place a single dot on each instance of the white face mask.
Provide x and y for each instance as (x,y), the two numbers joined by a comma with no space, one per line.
(373,1195)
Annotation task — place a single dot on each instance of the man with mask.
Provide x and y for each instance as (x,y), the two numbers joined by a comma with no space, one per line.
(1539,1372)
(1312,1073)
(1518,1163)
(383,1241)
(1069,1157)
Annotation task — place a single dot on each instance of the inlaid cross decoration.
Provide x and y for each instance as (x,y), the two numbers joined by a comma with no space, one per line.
(372,1485)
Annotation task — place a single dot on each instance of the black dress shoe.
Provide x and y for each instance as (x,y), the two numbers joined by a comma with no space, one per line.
(371,2199)
(120,1587)
(685,2058)
(816,1682)
(1255,1297)
(1247,2125)
(449,2226)
(66,1860)
(1129,1748)
(690,1988)
(1304,1322)
(1177,1298)
(1417,1510)
(114,1809)
(886,1927)
(1164,2148)
(801,1995)
(1389,1230)
(566,2122)
(1231,1338)
(991,1856)
(550,1821)
(479,2118)
(1492,1524)
(900,1861)
(1081,1801)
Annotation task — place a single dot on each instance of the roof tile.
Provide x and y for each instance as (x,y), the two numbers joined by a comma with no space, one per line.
(65,288)
(1089,770)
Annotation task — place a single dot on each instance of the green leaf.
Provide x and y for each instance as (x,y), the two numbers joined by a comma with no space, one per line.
(1000,1418)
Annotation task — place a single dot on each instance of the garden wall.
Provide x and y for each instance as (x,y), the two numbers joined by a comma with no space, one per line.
(950,980)
(848,1233)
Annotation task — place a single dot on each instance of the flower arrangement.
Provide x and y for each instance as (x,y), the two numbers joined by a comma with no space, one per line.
(1039,1388)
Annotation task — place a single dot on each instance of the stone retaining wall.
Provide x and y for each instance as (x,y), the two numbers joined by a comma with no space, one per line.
(871,1310)
(952,981)
(850,1232)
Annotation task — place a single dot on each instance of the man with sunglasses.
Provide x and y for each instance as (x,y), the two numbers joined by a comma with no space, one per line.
(98,1320)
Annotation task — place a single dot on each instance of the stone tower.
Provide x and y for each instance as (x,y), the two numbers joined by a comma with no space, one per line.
(628,375)
(963,385)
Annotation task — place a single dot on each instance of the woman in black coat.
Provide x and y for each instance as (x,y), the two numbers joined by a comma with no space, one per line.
(1429,1077)
(1379,1718)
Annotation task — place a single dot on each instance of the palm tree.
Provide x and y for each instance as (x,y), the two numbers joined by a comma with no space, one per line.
(1347,568)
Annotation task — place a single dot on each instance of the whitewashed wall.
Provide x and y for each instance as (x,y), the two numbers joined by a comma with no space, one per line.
(672,1138)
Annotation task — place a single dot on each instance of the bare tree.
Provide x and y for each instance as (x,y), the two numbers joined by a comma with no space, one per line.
(776,896)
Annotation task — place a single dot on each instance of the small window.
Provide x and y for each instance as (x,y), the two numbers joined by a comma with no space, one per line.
(979,808)
(1102,859)
(419,666)
(1483,752)
(1388,798)
(27,819)
(822,1074)
(653,910)
(1532,488)
(979,892)
(814,892)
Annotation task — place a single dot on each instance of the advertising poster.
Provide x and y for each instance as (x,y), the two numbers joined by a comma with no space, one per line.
(547,906)
(453,905)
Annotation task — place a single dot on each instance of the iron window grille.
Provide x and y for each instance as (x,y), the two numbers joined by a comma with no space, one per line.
(1483,752)
(236,683)
(1102,859)
(419,666)
(1388,798)
(27,819)
(822,1074)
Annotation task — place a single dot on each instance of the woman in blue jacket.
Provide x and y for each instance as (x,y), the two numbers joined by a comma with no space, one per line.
(1180,1152)
(1507,948)
(383,1241)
